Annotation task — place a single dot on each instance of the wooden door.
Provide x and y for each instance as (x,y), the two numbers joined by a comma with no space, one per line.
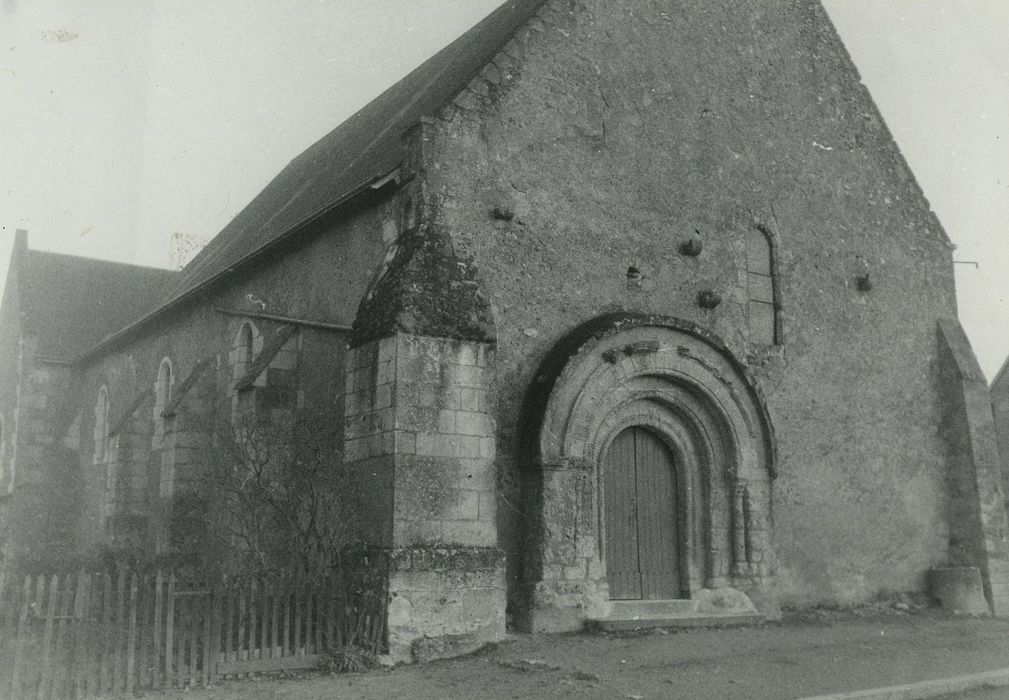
(640,512)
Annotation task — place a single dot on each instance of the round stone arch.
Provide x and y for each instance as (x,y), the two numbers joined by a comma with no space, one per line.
(684,386)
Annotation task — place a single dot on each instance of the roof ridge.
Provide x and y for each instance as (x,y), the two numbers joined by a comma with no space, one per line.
(84,258)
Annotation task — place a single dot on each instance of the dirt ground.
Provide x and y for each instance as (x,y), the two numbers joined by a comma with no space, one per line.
(806,654)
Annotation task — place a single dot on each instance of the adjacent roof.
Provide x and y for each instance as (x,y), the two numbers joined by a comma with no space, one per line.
(71,303)
(362,149)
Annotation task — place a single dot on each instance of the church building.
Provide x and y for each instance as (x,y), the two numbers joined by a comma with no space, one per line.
(619,310)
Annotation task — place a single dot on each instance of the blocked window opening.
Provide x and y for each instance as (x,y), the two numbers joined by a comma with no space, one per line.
(762,291)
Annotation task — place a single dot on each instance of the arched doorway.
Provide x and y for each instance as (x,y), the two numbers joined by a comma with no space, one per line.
(640,514)
(652,473)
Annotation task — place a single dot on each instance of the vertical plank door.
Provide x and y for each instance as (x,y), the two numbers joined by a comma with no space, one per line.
(641,513)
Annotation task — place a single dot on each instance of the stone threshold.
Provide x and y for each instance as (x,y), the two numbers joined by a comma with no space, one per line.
(629,615)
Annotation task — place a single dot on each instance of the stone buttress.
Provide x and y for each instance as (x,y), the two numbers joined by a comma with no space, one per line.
(419,437)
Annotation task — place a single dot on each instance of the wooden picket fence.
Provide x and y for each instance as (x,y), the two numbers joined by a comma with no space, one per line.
(86,634)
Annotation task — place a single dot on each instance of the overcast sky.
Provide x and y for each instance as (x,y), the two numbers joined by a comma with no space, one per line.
(124,121)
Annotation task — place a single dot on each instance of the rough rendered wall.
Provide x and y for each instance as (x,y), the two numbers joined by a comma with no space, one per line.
(605,135)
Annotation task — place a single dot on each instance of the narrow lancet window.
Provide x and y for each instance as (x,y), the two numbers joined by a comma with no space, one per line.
(101,433)
(243,351)
(762,291)
(162,397)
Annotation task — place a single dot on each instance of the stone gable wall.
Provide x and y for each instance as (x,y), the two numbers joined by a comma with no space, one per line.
(605,136)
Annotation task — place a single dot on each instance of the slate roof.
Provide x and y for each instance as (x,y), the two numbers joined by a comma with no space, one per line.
(365,147)
(71,303)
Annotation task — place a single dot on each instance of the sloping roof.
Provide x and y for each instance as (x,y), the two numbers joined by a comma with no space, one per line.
(71,303)
(365,147)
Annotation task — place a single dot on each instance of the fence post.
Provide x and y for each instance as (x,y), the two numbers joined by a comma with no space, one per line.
(331,607)
(229,623)
(253,603)
(11,610)
(309,617)
(287,620)
(181,603)
(9,643)
(264,618)
(60,661)
(169,631)
(299,610)
(47,640)
(274,614)
(81,624)
(120,632)
(194,638)
(26,594)
(145,627)
(156,661)
(240,651)
(93,641)
(319,615)
(208,626)
(131,639)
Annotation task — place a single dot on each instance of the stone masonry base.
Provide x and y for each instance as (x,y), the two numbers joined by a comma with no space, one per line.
(444,601)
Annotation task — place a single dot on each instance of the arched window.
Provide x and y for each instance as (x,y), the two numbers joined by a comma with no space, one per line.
(244,350)
(101,433)
(163,390)
(762,288)
(162,397)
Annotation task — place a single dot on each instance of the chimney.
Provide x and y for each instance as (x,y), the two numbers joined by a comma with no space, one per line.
(182,248)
